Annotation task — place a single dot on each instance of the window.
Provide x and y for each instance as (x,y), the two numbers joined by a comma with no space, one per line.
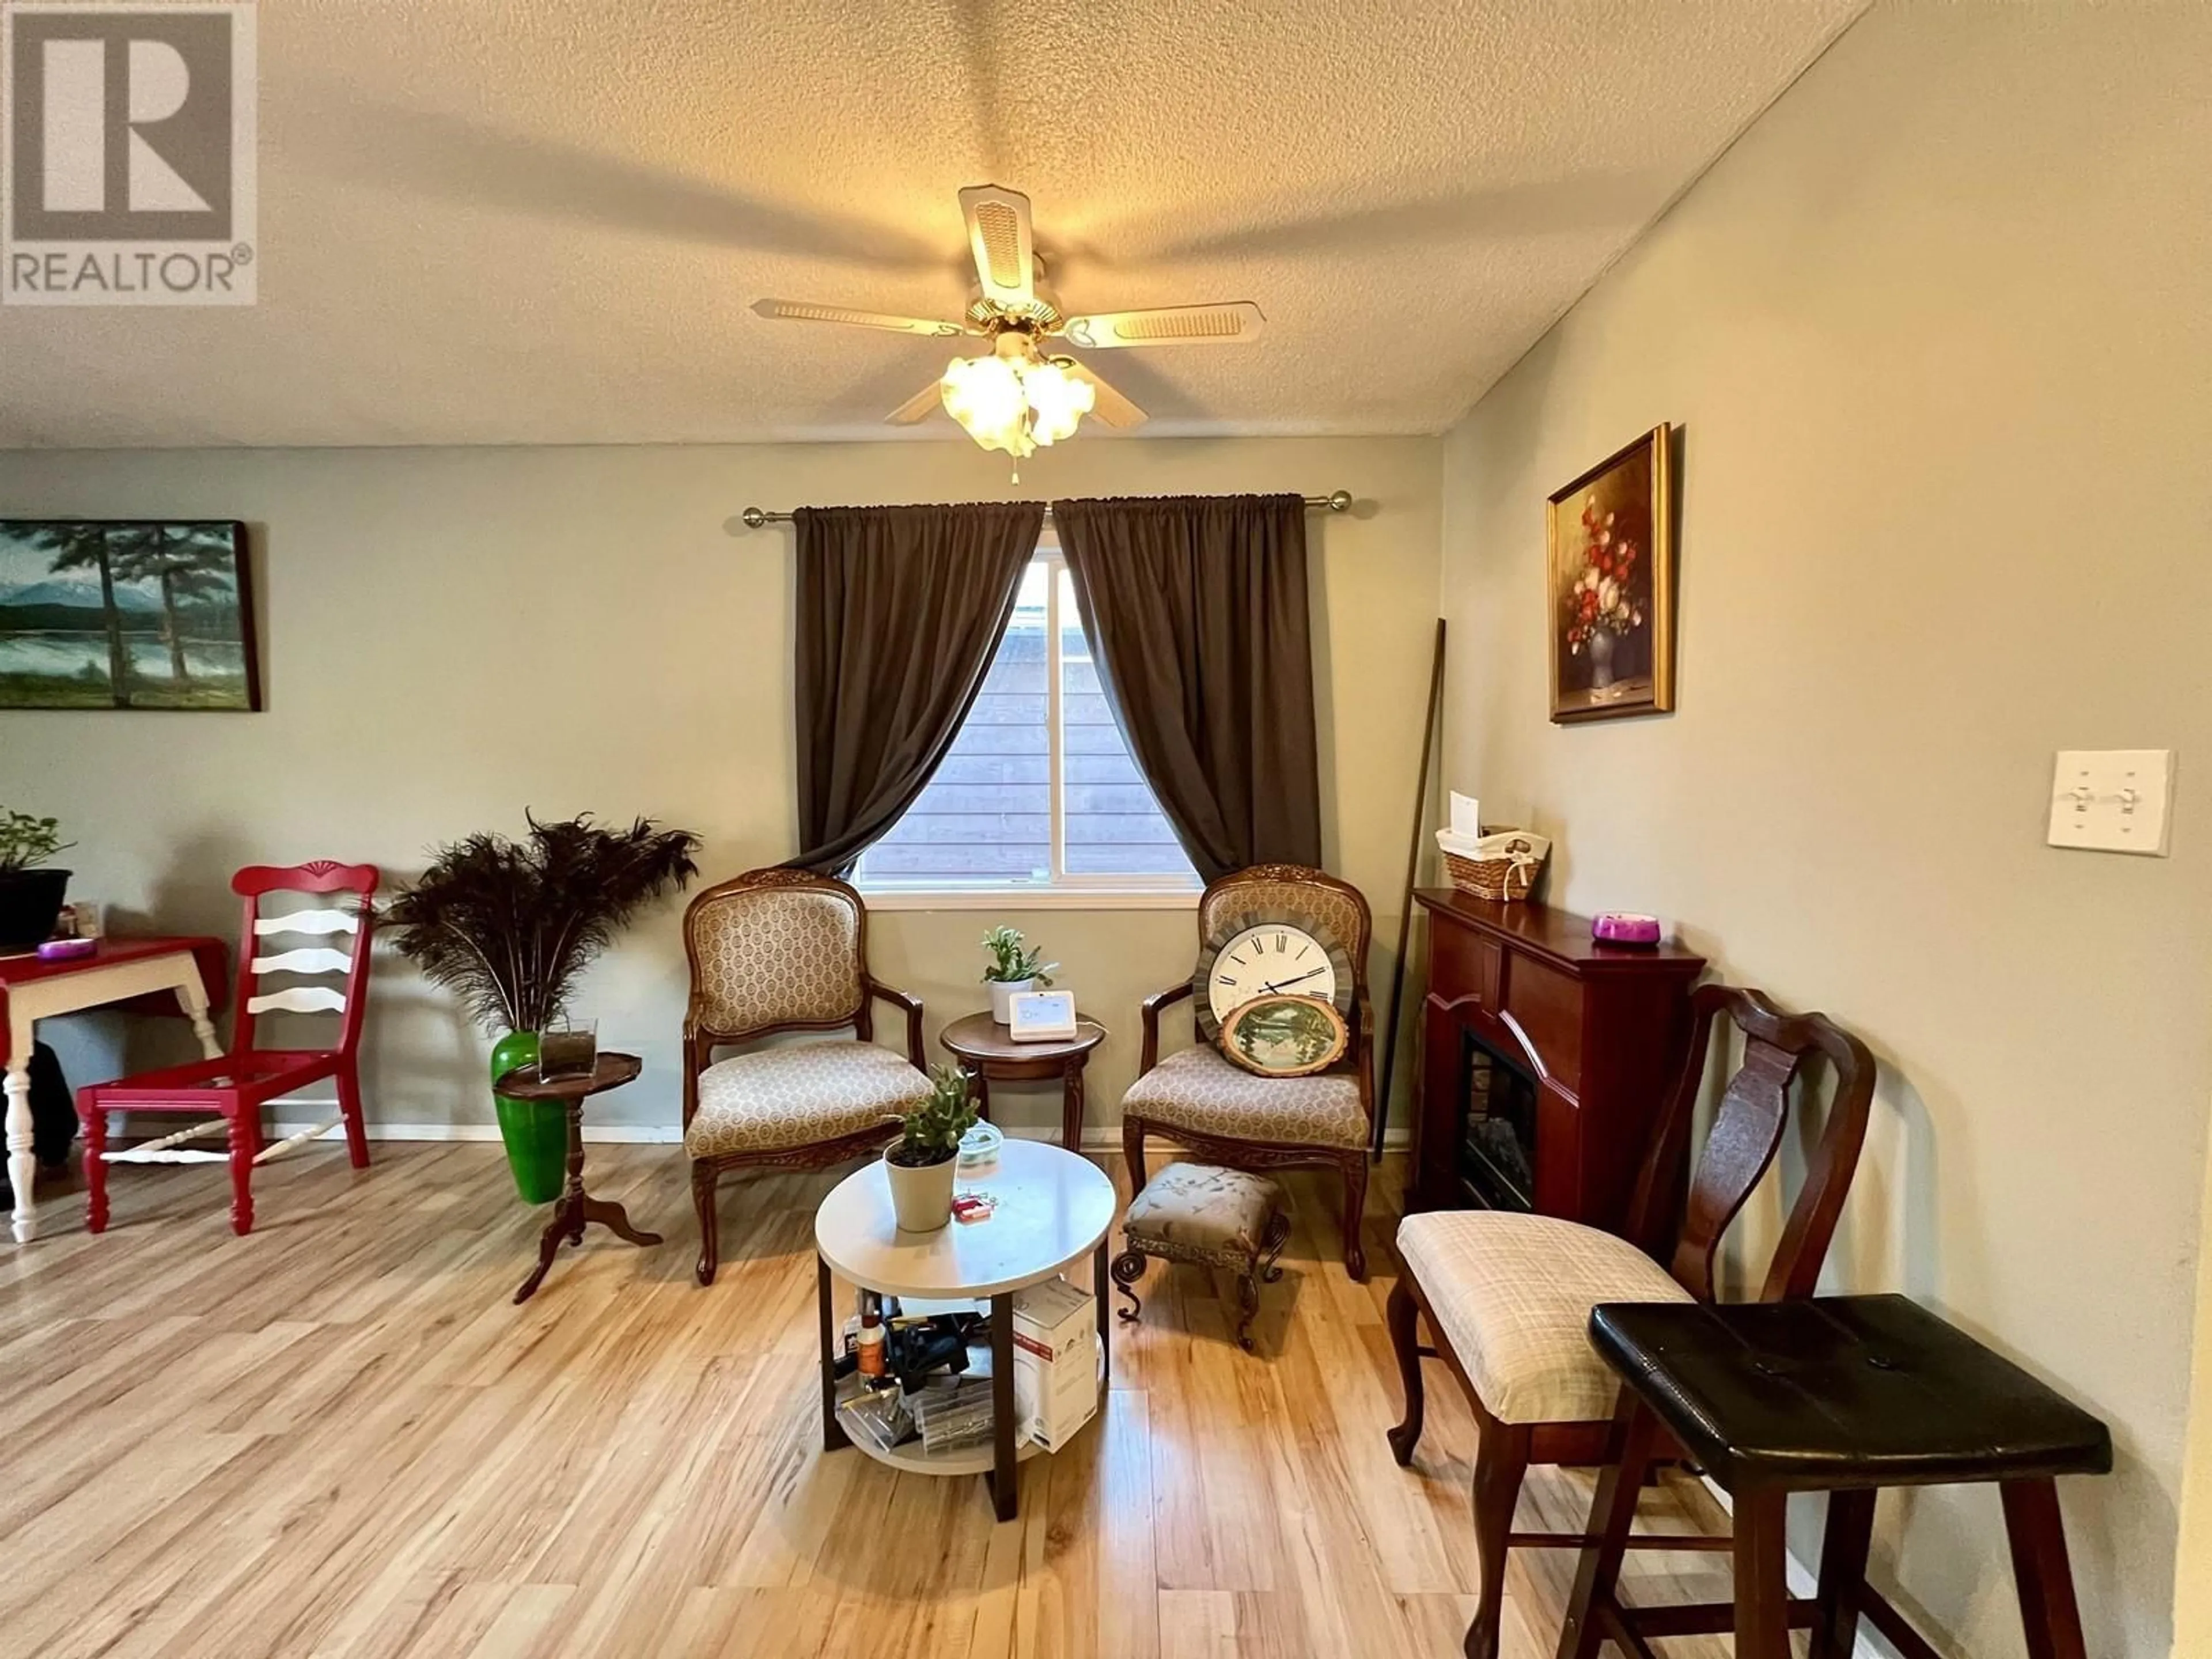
(1039,793)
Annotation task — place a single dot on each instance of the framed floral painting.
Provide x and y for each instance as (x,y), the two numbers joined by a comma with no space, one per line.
(1612,587)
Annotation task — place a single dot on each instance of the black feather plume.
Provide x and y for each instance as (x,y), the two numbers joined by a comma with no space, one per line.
(509,927)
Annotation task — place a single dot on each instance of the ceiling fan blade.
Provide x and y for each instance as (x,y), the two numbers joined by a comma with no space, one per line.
(1219,325)
(918,408)
(1005,246)
(805,311)
(1111,406)
(406,150)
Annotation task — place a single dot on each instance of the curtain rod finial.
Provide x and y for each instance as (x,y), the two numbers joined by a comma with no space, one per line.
(752,518)
(1339,501)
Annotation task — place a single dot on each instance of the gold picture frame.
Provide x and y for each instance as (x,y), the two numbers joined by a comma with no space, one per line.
(1609,587)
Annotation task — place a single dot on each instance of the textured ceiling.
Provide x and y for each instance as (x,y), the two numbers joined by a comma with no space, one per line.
(543,221)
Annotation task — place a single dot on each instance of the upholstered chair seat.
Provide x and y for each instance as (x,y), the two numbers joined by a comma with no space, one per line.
(1196,1089)
(799,1096)
(1513,1294)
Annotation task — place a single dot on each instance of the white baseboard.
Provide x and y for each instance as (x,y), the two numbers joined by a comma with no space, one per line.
(655,1134)
(1097,1138)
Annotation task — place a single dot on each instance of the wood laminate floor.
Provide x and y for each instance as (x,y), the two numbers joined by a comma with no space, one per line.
(338,1437)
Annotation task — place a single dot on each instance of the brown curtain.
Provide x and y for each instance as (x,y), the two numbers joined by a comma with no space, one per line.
(900,608)
(1196,610)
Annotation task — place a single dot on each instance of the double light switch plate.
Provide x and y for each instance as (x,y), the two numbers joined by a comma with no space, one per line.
(2113,801)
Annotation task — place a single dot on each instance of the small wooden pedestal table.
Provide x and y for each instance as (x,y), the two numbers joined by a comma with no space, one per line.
(990,1051)
(1053,1208)
(573,1211)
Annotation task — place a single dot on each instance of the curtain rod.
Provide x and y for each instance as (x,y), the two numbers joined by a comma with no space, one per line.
(1338,501)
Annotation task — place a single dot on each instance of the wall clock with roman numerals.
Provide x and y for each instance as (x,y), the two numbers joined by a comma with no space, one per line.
(1256,955)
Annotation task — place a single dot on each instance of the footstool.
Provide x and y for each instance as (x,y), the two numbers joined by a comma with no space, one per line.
(1210,1218)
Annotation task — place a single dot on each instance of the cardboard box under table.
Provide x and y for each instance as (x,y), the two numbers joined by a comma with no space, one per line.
(1055,1360)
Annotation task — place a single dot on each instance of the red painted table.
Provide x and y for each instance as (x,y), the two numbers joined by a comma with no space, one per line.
(143,974)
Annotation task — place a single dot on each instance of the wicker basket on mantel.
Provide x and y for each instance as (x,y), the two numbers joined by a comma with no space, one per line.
(1503,864)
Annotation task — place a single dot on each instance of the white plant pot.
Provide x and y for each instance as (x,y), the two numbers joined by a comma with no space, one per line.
(921,1194)
(1001,991)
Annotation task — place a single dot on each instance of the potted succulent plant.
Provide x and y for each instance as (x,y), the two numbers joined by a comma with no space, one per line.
(511,925)
(919,1164)
(1013,967)
(31,893)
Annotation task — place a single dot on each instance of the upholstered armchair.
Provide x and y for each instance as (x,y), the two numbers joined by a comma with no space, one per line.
(774,951)
(1227,1115)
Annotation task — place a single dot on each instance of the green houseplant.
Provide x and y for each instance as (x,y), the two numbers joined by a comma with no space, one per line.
(510,926)
(921,1164)
(1014,968)
(31,894)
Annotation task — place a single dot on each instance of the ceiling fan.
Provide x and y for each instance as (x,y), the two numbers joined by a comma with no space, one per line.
(1022,392)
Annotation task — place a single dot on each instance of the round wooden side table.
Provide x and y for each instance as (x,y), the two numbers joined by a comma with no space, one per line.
(990,1051)
(574,1211)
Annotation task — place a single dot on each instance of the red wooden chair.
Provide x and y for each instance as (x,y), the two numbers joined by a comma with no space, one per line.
(235,1087)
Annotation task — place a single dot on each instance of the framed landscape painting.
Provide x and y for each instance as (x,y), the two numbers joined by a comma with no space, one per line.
(1611,586)
(130,614)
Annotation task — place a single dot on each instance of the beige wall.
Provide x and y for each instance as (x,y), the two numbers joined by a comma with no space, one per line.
(451,635)
(2192,1599)
(1936,333)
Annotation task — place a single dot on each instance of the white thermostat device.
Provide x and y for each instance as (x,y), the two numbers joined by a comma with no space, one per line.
(1041,1015)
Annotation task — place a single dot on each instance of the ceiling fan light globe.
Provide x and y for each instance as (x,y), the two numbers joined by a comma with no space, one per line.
(1057,400)
(985,395)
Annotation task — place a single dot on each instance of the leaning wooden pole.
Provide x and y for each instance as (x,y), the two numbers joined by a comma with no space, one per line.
(1406,905)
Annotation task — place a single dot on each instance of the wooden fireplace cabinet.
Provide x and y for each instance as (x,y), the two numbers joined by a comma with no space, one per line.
(1545,1058)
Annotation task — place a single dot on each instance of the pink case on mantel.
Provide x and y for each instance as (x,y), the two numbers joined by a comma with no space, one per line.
(1625,928)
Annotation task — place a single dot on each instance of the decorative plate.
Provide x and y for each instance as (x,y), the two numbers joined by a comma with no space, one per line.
(1284,1034)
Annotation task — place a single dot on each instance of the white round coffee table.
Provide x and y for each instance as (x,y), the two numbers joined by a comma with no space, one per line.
(1053,1208)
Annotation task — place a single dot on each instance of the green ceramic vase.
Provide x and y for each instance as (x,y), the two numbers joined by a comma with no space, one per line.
(535,1132)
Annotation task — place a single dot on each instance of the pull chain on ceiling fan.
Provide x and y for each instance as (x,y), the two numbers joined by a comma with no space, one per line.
(1020,394)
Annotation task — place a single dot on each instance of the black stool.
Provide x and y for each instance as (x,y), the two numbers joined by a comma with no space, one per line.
(1841,1395)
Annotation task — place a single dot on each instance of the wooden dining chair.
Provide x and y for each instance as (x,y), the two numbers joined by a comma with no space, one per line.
(1507,1298)
(237,1086)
